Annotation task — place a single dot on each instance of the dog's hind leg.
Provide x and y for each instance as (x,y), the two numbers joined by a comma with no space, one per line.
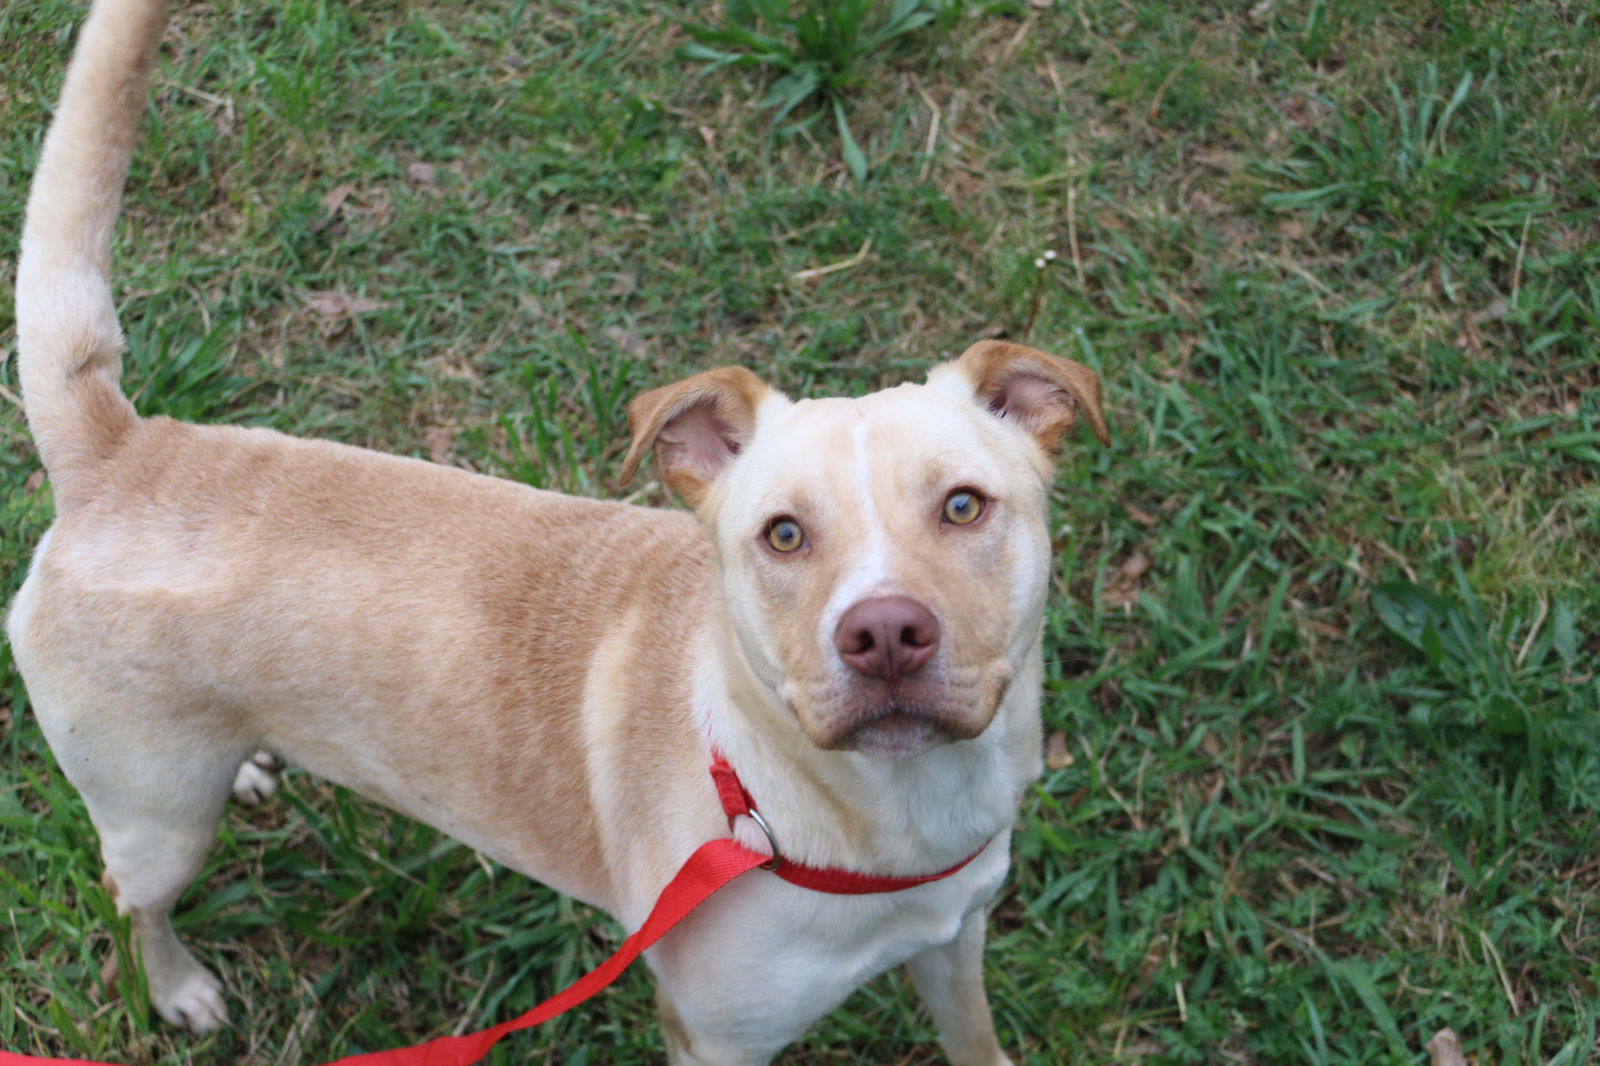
(155,784)
(156,826)
(256,780)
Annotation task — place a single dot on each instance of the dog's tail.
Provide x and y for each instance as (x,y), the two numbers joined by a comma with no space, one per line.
(69,345)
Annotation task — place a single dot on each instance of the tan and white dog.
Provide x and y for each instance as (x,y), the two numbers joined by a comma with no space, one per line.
(852,614)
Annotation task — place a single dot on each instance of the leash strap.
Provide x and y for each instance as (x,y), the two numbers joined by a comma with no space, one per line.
(712,866)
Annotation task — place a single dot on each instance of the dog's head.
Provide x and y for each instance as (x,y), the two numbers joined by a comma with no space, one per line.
(884,560)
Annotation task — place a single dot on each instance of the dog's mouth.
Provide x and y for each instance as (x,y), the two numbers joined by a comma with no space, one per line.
(900,721)
(897,731)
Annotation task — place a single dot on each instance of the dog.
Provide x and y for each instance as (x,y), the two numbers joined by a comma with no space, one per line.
(850,613)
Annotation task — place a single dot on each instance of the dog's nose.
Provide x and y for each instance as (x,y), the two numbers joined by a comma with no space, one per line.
(887,636)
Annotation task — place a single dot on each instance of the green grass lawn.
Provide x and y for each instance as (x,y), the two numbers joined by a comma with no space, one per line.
(1323,702)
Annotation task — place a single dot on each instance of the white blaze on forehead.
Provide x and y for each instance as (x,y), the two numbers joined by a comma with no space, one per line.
(871,568)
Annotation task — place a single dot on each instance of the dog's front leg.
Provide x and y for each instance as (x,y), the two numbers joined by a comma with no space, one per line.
(949,978)
(686,1048)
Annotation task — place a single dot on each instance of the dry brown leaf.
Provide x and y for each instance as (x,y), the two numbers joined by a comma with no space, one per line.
(1445,1049)
(334,304)
(461,367)
(336,197)
(1216,158)
(1056,755)
(331,203)
(35,481)
(1124,586)
(628,341)
(439,440)
(1139,514)
(328,304)
(423,173)
(1469,340)
(550,269)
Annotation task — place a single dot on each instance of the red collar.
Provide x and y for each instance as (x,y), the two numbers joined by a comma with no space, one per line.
(736,801)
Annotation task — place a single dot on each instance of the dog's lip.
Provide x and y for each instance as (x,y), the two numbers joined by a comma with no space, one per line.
(896,731)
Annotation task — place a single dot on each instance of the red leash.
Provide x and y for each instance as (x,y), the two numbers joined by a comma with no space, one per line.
(713,865)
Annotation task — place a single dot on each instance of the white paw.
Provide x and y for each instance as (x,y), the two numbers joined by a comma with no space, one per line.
(195,1003)
(256,780)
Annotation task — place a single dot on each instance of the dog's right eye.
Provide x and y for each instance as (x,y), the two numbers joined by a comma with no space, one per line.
(785,535)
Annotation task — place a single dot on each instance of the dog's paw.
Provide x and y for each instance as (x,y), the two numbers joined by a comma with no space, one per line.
(256,780)
(194,1002)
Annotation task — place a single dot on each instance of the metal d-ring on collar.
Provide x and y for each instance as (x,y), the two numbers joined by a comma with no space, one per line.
(736,801)
(777,859)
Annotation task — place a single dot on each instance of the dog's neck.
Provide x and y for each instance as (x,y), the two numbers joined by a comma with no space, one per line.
(828,807)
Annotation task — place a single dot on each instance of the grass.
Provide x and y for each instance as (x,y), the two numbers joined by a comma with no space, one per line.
(1324,767)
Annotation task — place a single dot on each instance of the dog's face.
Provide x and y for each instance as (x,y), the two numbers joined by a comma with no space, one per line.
(884,560)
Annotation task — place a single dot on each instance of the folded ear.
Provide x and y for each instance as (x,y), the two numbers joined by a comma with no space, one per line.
(695,426)
(1042,393)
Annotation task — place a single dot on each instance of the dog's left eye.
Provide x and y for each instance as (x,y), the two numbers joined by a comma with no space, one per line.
(785,535)
(962,507)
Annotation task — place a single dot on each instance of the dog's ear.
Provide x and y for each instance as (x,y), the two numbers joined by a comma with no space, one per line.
(695,426)
(1042,393)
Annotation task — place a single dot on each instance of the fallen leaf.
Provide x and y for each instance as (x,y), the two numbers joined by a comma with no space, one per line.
(1139,514)
(35,481)
(550,269)
(629,342)
(425,173)
(331,203)
(336,197)
(1123,587)
(1215,158)
(1108,696)
(1445,1049)
(1469,340)
(439,440)
(334,304)
(1056,755)
(110,970)
(461,367)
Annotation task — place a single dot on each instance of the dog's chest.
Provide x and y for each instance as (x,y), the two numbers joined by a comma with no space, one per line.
(768,950)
